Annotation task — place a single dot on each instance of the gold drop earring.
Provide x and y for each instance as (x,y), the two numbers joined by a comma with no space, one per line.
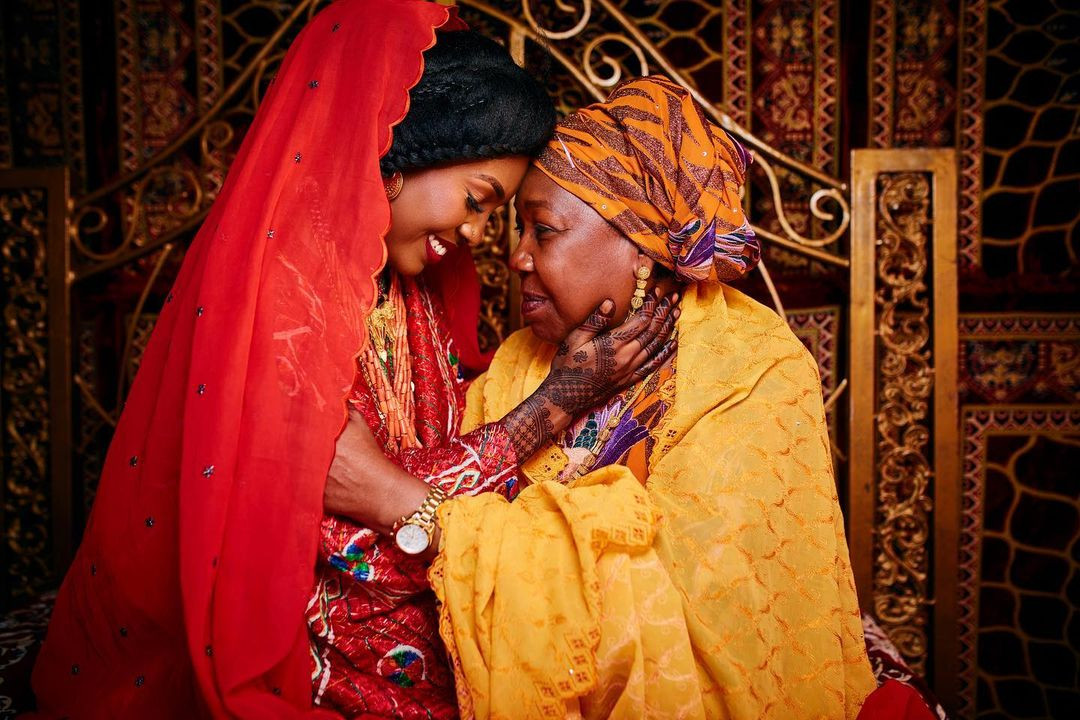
(638,299)
(393,185)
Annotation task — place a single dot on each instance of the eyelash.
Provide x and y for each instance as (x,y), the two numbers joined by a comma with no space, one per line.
(538,230)
(472,204)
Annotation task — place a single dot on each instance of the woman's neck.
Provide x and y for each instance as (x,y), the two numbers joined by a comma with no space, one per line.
(664,286)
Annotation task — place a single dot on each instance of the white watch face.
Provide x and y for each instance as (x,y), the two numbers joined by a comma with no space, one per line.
(412,539)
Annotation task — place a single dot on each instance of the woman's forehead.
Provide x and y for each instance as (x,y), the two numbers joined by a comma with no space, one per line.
(538,191)
(540,194)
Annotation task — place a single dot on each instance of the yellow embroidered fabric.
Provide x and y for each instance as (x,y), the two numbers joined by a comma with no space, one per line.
(742,605)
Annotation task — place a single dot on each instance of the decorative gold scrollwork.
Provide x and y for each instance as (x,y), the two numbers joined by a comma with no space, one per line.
(26,511)
(842,220)
(563,6)
(615,69)
(214,143)
(491,267)
(901,565)
(163,198)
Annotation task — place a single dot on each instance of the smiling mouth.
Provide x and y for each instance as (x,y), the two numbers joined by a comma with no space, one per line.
(436,248)
(437,245)
(531,303)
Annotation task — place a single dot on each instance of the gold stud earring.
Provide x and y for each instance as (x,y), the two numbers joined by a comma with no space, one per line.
(638,299)
(393,185)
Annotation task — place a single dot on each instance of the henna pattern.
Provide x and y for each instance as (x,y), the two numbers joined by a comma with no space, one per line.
(575,391)
(588,370)
(529,425)
(605,356)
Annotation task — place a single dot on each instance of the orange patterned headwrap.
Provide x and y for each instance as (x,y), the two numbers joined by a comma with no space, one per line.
(653,166)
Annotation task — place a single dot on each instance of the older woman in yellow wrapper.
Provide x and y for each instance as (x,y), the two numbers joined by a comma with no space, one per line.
(680,551)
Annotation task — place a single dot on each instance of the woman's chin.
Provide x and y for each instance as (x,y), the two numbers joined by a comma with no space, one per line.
(405,266)
(546,331)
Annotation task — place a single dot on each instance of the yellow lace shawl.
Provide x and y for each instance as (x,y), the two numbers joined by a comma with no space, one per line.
(720,589)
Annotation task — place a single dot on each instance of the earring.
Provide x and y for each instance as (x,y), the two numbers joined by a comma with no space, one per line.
(393,185)
(638,299)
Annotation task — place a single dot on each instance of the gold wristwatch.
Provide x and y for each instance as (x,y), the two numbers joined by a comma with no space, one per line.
(413,533)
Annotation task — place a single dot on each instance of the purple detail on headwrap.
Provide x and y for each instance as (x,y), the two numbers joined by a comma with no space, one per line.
(744,154)
(701,252)
(678,237)
(737,253)
(734,254)
(693,255)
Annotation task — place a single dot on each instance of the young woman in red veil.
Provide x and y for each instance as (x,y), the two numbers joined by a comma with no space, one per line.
(284,353)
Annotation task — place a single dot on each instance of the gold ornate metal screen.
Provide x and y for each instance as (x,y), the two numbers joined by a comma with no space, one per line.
(904,488)
(117,248)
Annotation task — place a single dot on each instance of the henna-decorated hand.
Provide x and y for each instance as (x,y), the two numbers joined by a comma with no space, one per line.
(593,364)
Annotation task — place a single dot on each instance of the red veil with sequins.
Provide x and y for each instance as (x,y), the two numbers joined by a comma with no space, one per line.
(188,592)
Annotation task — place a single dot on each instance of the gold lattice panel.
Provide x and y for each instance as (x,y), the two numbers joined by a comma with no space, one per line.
(1021,537)
(1031,166)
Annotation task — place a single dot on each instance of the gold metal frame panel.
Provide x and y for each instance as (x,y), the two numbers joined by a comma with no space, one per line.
(904,481)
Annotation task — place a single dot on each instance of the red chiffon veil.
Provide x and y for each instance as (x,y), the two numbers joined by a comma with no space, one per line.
(187,594)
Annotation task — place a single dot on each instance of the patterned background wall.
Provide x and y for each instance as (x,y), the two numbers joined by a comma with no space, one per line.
(1000,81)
(100,86)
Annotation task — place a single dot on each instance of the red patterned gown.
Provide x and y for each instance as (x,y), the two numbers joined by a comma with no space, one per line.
(374,631)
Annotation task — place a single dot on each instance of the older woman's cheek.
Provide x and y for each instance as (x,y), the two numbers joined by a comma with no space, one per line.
(550,323)
(568,293)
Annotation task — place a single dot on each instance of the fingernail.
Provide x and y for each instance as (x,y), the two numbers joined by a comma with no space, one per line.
(607,306)
(677,313)
(675,297)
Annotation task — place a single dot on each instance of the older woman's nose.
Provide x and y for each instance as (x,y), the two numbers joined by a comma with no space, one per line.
(521,260)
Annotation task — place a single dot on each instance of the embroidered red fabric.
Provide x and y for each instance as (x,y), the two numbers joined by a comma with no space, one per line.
(187,596)
(376,650)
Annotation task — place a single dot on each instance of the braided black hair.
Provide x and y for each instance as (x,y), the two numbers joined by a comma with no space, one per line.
(472,102)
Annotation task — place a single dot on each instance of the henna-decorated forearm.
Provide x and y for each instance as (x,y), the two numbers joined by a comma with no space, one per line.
(531,424)
(564,395)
